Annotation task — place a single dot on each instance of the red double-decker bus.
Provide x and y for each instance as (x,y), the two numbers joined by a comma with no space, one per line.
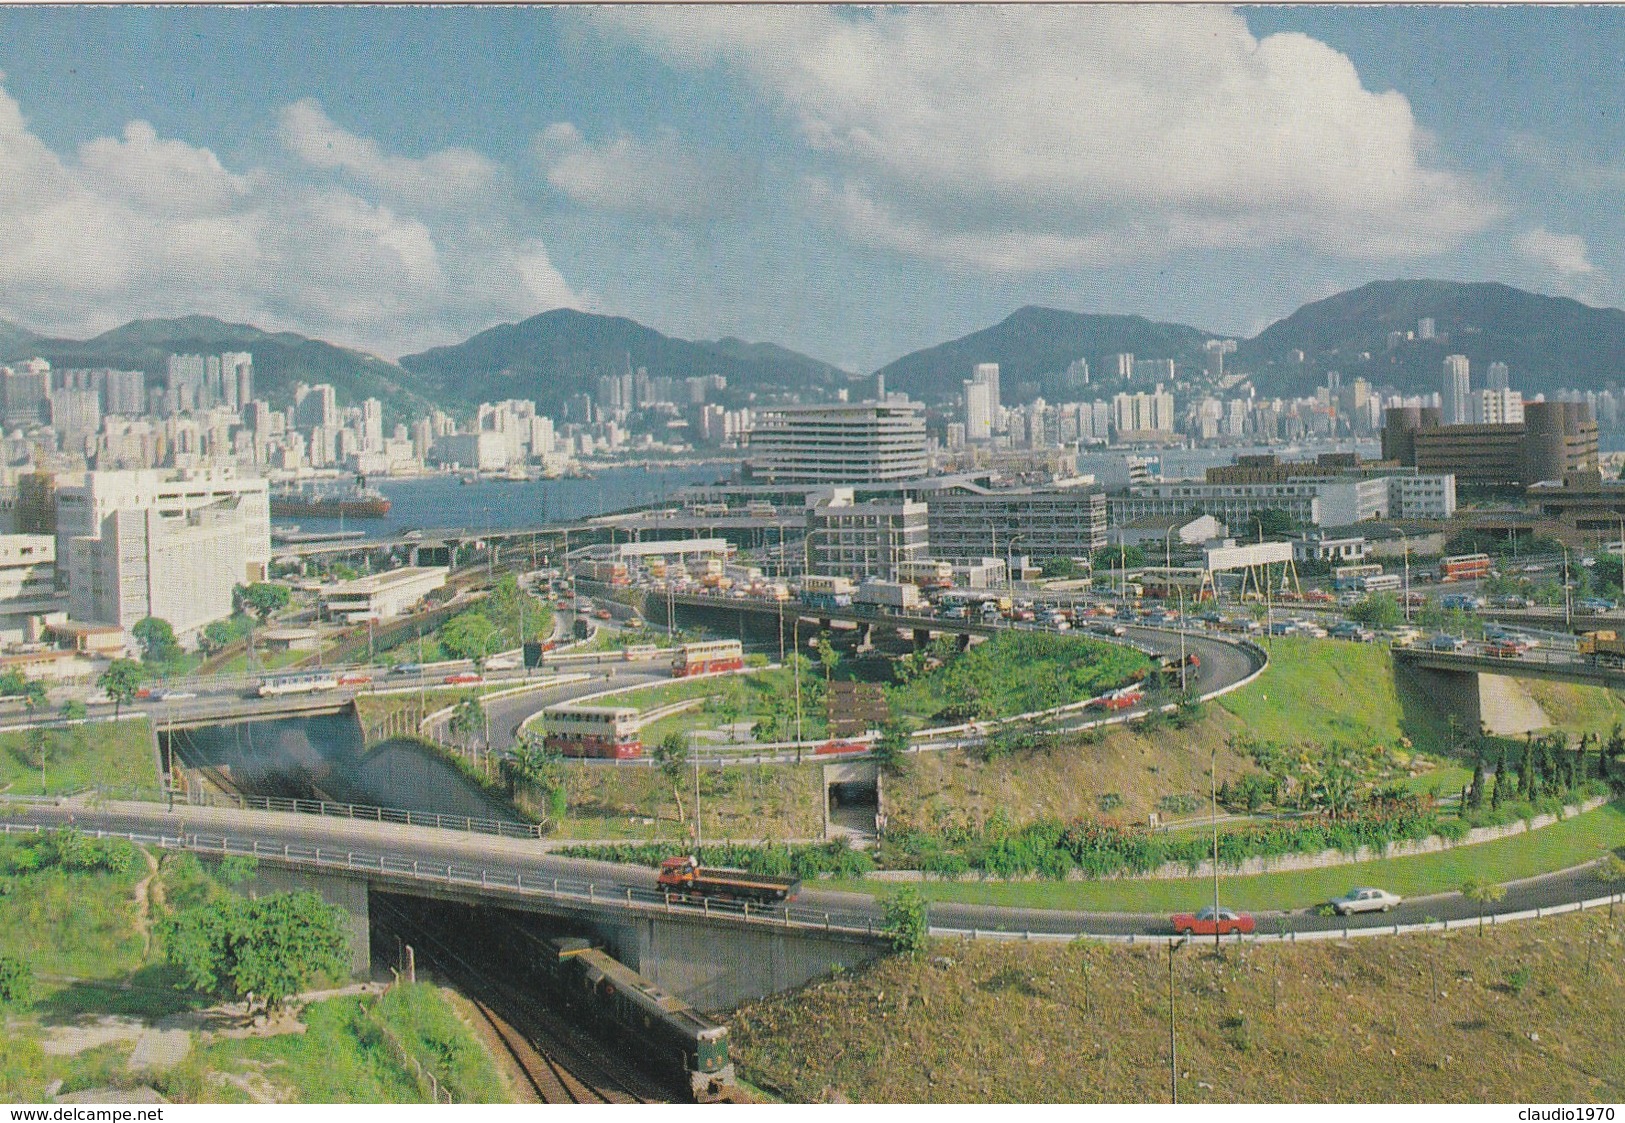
(1464,567)
(707,658)
(610,732)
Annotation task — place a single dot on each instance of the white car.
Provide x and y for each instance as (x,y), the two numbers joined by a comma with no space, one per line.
(1365,900)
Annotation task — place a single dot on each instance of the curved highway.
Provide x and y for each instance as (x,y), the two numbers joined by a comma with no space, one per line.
(504,858)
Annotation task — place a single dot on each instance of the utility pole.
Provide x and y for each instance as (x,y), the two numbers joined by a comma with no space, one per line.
(1213,770)
(1173,1044)
(699,829)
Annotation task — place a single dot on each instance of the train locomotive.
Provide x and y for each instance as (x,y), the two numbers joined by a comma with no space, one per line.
(675,1038)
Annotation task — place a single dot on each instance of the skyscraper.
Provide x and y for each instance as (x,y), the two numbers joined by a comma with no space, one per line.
(978,413)
(1497,378)
(1454,386)
(988,375)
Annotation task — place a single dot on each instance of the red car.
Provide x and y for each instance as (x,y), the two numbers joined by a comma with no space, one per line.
(462,678)
(1203,923)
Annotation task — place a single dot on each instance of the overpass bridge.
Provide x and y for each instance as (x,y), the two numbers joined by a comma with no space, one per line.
(714,954)
(1485,689)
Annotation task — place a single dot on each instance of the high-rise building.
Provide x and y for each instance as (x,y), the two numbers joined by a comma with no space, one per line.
(858,540)
(978,412)
(26,392)
(854,442)
(236,378)
(1497,378)
(315,407)
(1495,407)
(1424,328)
(988,375)
(1120,366)
(1454,386)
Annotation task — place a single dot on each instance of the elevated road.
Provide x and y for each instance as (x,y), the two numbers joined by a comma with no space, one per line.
(489,868)
(1540,662)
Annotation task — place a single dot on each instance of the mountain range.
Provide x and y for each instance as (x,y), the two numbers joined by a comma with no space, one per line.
(1549,343)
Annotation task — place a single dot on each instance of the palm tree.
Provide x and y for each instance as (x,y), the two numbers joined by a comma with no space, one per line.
(1483,892)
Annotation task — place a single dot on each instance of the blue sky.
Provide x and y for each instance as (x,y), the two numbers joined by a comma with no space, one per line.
(851,183)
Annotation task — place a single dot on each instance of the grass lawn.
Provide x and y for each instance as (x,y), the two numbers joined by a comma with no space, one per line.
(1531,1012)
(87,939)
(342,1057)
(113,754)
(737,802)
(1556,847)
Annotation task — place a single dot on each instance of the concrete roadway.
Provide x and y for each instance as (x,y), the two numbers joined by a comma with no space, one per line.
(504,857)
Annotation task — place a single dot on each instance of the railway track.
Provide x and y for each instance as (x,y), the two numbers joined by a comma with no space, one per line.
(561,1063)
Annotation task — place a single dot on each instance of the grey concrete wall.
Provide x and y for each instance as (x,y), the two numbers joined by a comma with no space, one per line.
(716,969)
(1506,708)
(1498,704)
(347,891)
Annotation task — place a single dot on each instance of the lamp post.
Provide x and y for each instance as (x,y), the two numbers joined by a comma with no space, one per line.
(1213,772)
(1009,561)
(1568,606)
(1173,1045)
(1405,545)
(1183,685)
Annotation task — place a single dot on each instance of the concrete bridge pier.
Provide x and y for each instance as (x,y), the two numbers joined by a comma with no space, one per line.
(346,890)
(1496,704)
(922,638)
(962,641)
(717,969)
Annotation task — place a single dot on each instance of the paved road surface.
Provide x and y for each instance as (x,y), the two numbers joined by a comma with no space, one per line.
(505,857)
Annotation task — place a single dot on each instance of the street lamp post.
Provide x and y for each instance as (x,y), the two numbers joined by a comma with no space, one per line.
(1213,769)
(1568,606)
(1009,561)
(1173,1045)
(1405,545)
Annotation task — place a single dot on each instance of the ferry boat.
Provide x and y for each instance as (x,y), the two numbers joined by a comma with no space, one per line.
(356,502)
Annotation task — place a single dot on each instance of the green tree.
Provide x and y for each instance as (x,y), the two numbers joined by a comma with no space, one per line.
(121,680)
(216,637)
(891,748)
(1498,789)
(469,635)
(907,923)
(13,683)
(157,640)
(269,948)
(1378,610)
(828,657)
(672,756)
(1526,770)
(234,869)
(1060,568)
(72,710)
(1611,872)
(1269,524)
(16,980)
(1475,793)
(261,599)
(1482,892)
(466,718)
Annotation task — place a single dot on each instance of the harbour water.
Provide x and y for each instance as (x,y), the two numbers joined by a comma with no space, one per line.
(444,502)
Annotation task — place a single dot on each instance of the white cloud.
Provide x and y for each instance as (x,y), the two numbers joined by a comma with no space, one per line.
(1017,138)
(350,243)
(658,176)
(450,176)
(1565,255)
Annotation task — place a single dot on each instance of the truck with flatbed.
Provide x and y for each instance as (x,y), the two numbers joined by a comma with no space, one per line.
(896,597)
(684,875)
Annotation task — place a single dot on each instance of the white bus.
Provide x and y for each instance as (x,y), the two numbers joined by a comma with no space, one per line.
(306,682)
(707,658)
(609,732)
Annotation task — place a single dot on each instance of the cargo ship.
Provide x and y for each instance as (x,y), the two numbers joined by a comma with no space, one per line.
(357,502)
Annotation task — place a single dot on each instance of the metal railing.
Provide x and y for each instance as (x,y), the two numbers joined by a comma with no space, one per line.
(557,890)
(1334,930)
(366,813)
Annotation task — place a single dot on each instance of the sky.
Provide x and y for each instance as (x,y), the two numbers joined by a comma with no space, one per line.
(853,183)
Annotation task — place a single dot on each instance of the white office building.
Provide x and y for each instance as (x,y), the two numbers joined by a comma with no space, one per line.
(1495,407)
(84,501)
(840,443)
(381,595)
(178,564)
(978,411)
(1454,387)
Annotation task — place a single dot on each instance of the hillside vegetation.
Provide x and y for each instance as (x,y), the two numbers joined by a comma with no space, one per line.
(1531,1012)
